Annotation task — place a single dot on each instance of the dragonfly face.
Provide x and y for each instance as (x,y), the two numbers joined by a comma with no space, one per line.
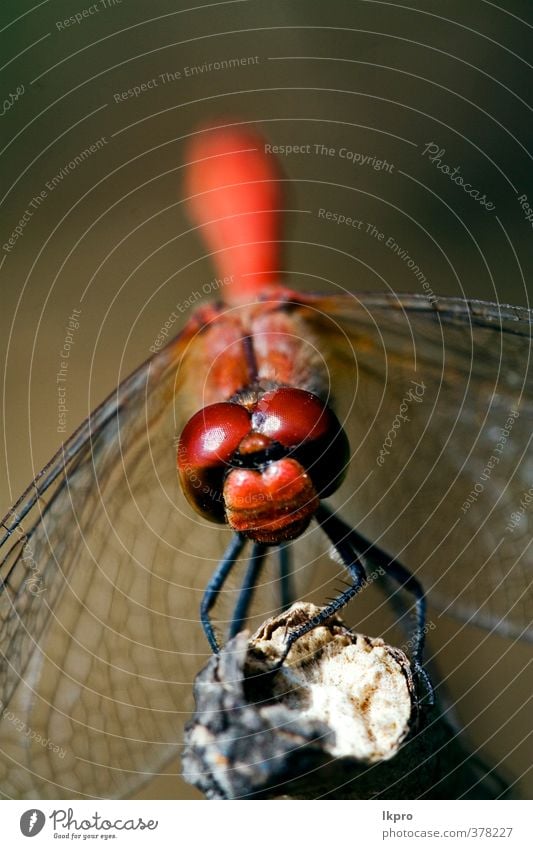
(263,461)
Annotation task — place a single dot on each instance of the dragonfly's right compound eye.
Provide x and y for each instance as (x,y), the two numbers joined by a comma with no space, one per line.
(206,445)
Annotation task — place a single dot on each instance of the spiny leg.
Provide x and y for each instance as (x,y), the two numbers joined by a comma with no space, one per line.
(257,558)
(336,531)
(215,584)
(404,579)
(395,570)
(408,582)
(286,594)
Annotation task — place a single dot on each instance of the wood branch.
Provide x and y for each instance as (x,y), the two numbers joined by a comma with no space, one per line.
(341,719)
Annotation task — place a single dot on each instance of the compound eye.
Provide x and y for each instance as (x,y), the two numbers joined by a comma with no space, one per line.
(292,417)
(206,445)
(212,435)
(301,422)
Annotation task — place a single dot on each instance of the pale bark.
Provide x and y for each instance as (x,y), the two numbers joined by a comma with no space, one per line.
(343,718)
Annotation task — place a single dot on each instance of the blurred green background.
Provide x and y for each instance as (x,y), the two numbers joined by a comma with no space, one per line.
(109,236)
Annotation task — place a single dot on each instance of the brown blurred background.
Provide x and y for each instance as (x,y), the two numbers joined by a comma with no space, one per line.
(110,237)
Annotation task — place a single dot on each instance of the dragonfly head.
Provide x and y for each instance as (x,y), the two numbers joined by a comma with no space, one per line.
(263,466)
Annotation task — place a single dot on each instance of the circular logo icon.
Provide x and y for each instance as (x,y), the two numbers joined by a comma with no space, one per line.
(31,822)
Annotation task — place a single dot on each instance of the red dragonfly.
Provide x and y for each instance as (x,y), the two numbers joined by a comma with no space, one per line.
(411,417)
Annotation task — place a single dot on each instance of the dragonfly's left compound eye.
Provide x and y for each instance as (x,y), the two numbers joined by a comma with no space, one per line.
(206,445)
(300,421)
(273,498)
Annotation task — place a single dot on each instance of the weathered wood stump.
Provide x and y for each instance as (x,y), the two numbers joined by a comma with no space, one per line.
(340,719)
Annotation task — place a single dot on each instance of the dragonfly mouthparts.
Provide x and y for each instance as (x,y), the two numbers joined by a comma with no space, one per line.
(250,457)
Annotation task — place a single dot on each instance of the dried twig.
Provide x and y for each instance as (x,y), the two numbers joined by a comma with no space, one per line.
(341,719)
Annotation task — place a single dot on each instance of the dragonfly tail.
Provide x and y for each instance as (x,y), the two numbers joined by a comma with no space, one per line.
(235,197)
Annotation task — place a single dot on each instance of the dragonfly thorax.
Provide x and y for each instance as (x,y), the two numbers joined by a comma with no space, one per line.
(263,467)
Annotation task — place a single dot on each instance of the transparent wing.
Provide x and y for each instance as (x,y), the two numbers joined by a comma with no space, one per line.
(101,577)
(437,400)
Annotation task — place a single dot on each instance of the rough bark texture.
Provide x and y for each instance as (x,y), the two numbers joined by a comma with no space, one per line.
(341,719)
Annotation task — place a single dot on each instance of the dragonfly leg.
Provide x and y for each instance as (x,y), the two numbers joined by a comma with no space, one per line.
(286,594)
(395,570)
(335,529)
(408,582)
(257,558)
(215,585)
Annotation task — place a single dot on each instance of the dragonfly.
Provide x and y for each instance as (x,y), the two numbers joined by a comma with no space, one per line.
(323,431)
